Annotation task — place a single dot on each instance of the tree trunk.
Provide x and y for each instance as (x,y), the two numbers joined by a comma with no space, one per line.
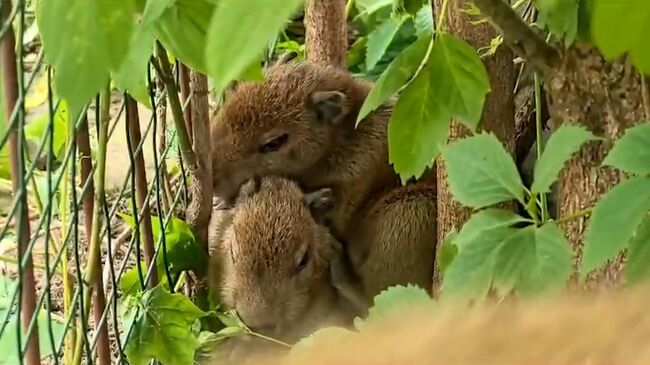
(326,32)
(498,112)
(606,98)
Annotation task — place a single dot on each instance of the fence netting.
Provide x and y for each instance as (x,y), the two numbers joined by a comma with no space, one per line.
(82,203)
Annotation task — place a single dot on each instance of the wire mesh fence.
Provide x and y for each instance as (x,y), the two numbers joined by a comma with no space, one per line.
(84,202)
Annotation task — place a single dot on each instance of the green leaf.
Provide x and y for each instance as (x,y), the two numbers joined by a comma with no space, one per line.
(36,129)
(480,172)
(622,26)
(613,222)
(533,260)
(460,76)
(229,49)
(484,223)
(561,18)
(636,267)
(379,40)
(447,252)
(229,319)
(84,40)
(400,70)
(183,28)
(162,330)
(631,153)
(418,127)
(184,252)
(371,6)
(132,75)
(424,21)
(154,9)
(253,72)
(396,299)
(470,275)
(562,144)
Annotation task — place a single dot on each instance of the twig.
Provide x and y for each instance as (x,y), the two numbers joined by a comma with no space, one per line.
(519,36)
(576,215)
(164,71)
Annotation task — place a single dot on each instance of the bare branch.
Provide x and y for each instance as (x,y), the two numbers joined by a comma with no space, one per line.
(519,36)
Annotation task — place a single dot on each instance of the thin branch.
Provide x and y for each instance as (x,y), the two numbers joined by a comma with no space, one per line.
(164,72)
(519,36)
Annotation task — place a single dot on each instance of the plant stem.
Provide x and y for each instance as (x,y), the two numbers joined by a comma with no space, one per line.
(68,289)
(270,339)
(164,71)
(441,19)
(538,132)
(576,215)
(93,268)
(348,8)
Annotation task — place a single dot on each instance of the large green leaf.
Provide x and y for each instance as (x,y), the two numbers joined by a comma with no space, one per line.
(418,127)
(182,29)
(36,129)
(396,75)
(132,75)
(480,172)
(562,144)
(395,299)
(379,40)
(458,73)
(614,220)
(469,276)
(636,267)
(184,252)
(162,330)
(483,223)
(561,18)
(631,153)
(533,260)
(230,50)
(622,26)
(84,40)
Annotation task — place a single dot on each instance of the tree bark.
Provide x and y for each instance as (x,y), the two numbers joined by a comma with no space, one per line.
(498,111)
(606,98)
(326,32)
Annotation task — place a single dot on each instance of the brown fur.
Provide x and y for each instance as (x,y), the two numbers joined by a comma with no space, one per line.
(611,328)
(259,245)
(390,229)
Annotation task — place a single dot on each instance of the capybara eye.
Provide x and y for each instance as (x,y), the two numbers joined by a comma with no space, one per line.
(274,144)
(303,261)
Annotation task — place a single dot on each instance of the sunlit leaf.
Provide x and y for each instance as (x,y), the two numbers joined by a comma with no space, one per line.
(622,26)
(84,40)
(638,258)
(229,49)
(395,76)
(132,75)
(460,77)
(379,40)
(418,127)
